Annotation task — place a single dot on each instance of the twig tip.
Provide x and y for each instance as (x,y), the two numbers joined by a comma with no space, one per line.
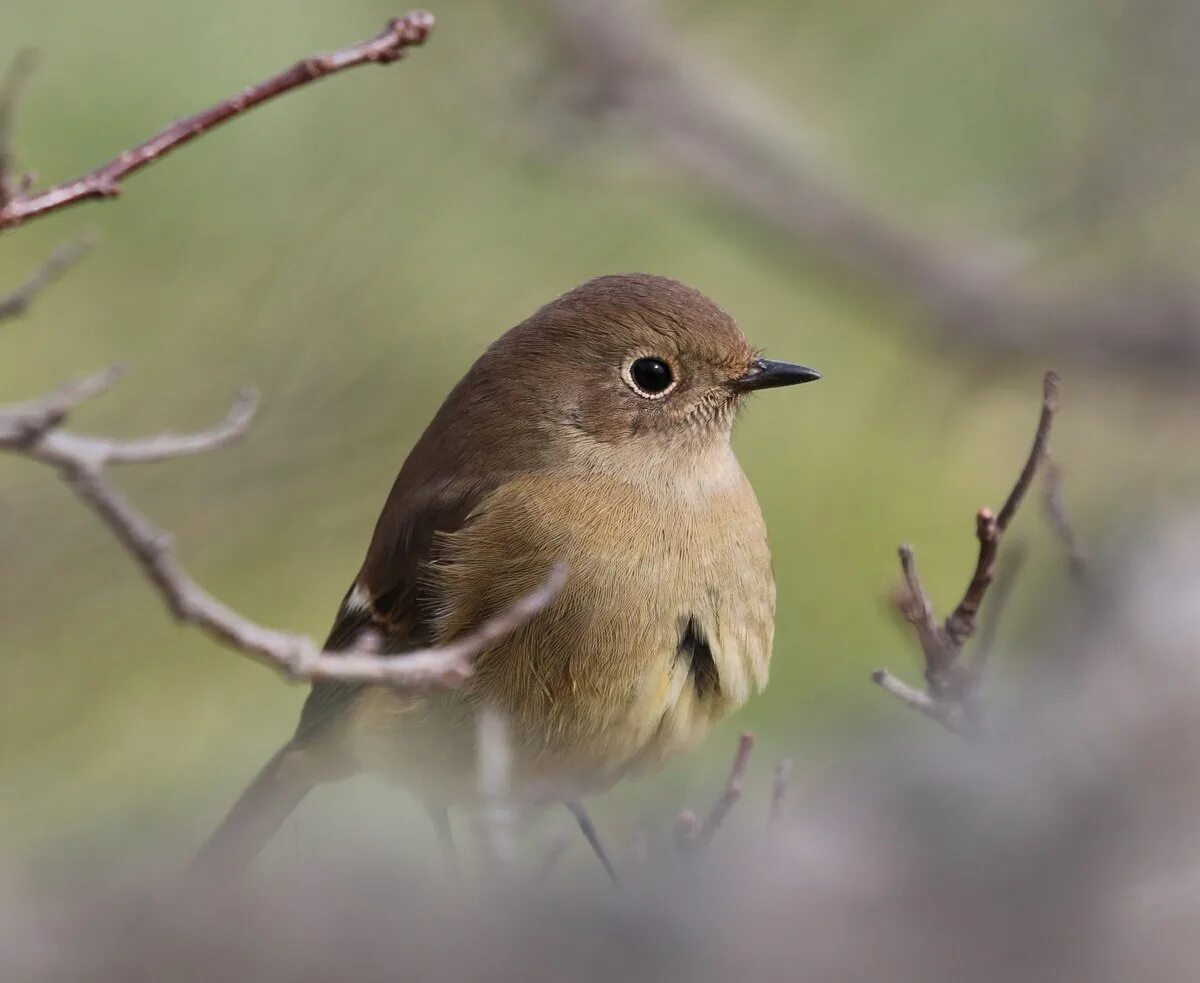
(245,405)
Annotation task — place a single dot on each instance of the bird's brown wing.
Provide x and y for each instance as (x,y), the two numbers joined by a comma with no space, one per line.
(467,451)
(391,596)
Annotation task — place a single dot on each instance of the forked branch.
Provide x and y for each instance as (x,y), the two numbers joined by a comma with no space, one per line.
(952,684)
(18,205)
(33,430)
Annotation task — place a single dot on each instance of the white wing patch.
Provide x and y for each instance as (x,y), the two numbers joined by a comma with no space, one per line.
(359,600)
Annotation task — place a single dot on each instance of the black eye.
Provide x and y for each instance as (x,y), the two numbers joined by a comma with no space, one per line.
(651,375)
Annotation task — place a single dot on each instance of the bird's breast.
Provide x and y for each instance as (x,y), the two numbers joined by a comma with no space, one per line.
(663,627)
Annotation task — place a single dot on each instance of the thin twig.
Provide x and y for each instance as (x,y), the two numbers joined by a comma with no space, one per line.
(950,697)
(1008,567)
(104,181)
(960,625)
(699,835)
(497,819)
(32,430)
(21,423)
(554,853)
(941,711)
(592,835)
(55,265)
(915,605)
(439,816)
(1056,510)
(779,789)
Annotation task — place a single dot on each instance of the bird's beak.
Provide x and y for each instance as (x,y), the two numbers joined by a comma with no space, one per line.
(765,374)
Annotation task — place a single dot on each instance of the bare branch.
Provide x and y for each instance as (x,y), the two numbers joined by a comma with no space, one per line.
(942,712)
(496,818)
(32,430)
(554,853)
(444,666)
(592,835)
(960,625)
(1056,510)
(163,447)
(694,836)
(391,44)
(1036,453)
(1007,569)
(779,790)
(21,423)
(916,607)
(55,265)
(952,685)
(710,125)
(439,817)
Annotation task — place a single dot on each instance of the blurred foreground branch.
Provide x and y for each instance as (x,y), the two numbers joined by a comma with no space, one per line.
(779,790)
(1056,511)
(734,143)
(952,684)
(17,205)
(691,834)
(1063,848)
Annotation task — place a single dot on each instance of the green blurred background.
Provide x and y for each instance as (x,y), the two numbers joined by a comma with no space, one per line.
(351,248)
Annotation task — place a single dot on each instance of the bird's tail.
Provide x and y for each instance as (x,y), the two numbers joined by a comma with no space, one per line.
(262,808)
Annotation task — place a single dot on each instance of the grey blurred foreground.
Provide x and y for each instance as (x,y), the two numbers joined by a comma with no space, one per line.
(1061,846)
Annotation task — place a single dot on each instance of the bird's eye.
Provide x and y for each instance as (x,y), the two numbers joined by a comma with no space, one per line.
(651,376)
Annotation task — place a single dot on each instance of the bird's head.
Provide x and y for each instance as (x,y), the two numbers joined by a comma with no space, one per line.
(635,359)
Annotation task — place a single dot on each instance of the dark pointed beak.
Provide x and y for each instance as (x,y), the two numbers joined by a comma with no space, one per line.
(765,374)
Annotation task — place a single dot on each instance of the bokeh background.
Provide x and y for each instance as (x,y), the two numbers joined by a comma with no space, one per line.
(351,248)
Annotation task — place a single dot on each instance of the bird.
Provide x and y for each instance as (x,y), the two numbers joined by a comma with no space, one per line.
(595,434)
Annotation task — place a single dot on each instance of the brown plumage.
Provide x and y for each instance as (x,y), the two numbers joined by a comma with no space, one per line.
(567,440)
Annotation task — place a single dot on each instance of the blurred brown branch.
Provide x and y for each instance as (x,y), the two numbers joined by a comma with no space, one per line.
(18,206)
(713,126)
(951,684)
(1008,568)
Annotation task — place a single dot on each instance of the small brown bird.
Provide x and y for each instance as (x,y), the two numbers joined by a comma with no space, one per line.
(597,433)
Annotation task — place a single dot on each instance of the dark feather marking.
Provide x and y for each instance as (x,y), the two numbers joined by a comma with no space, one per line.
(694,647)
